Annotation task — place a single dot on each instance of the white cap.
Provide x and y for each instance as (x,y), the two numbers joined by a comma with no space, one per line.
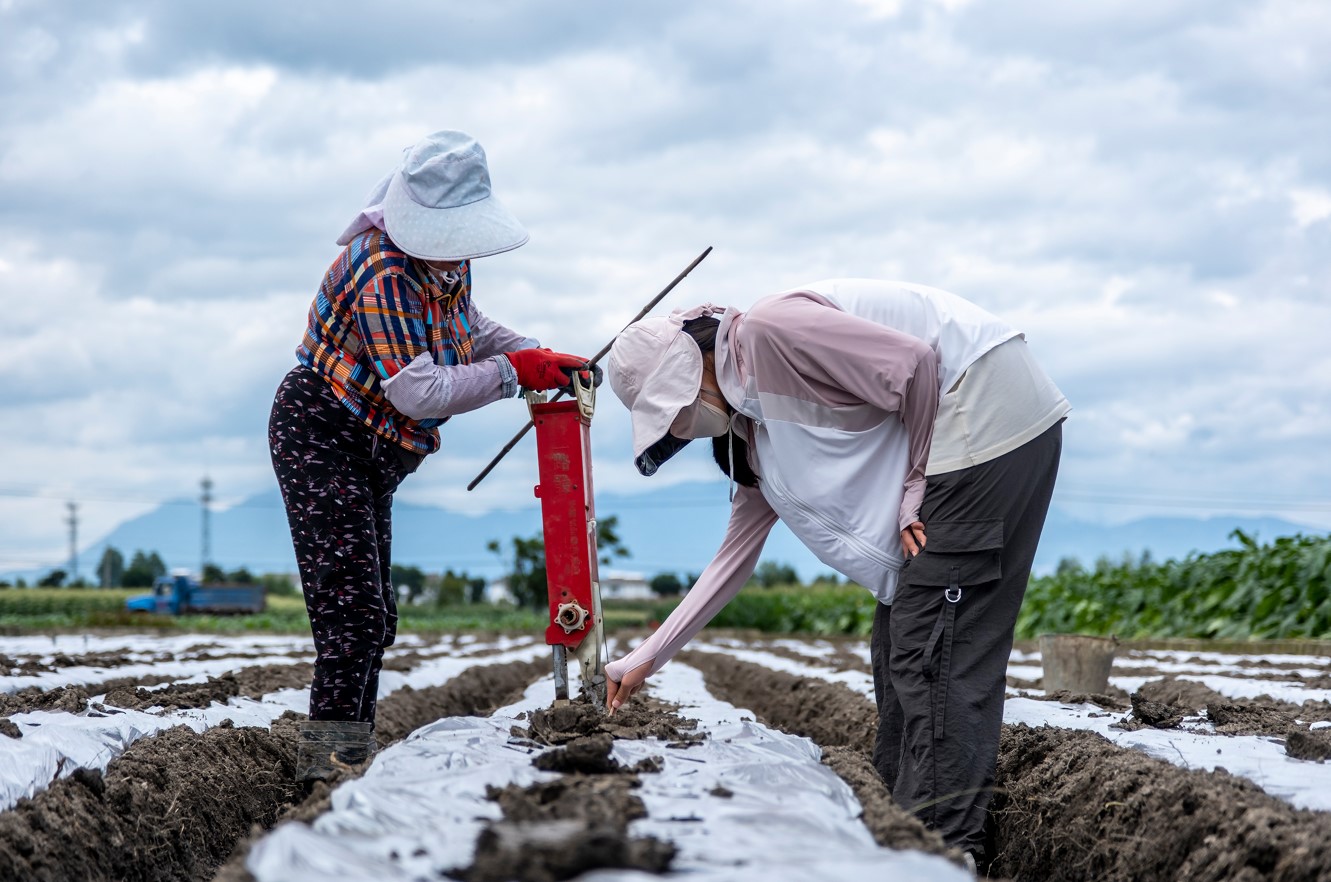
(656,370)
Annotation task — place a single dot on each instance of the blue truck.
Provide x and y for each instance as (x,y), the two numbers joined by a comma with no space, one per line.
(180,595)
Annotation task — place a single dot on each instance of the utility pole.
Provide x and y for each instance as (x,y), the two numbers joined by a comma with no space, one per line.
(206,500)
(73,521)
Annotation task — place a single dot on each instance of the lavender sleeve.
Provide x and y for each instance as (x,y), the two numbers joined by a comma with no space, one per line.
(424,390)
(751,519)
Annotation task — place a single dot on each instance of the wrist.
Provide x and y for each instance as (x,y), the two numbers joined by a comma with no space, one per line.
(508,376)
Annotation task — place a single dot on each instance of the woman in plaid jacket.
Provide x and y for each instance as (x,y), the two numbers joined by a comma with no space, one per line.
(393,347)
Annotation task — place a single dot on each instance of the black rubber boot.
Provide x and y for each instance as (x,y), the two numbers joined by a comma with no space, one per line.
(327,744)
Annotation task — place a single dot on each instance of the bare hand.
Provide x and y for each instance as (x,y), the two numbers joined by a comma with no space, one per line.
(618,693)
(912,540)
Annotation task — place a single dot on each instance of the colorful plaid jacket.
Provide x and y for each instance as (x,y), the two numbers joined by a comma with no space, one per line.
(378,308)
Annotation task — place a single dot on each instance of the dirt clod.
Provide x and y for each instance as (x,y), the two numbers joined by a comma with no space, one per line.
(1306,745)
(640,719)
(589,754)
(1114,699)
(549,851)
(10,728)
(1249,718)
(560,829)
(73,699)
(1156,714)
(1185,693)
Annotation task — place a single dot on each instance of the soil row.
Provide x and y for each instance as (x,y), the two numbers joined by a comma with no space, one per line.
(1069,804)
(131,692)
(175,805)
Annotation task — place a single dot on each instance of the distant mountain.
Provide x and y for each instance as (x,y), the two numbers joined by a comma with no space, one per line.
(676,528)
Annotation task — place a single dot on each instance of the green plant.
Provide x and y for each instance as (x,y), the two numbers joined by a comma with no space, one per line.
(1255,591)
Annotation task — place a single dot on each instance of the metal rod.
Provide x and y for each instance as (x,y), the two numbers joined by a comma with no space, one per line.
(561,672)
(513,442)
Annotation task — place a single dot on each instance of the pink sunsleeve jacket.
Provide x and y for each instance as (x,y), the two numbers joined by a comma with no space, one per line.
(799,364)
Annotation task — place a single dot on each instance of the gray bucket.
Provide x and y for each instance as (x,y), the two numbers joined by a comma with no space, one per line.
(1076,662)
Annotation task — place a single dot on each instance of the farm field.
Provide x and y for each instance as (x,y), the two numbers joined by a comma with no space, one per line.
(147,757)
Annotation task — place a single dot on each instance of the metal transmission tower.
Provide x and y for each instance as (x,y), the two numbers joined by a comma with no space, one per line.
(205,500)
(73,521)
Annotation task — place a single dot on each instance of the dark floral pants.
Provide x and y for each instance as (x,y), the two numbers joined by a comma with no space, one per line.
(337,478)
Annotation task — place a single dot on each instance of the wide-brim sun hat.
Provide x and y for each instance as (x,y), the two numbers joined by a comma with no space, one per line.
(655,369)
(439,205)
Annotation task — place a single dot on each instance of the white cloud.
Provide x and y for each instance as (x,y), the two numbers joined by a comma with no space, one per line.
(1310,206)
(1144,194)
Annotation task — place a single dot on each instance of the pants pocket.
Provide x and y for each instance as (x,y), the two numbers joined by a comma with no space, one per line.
(958,554)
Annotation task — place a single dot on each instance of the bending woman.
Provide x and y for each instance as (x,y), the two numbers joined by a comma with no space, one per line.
(909,439)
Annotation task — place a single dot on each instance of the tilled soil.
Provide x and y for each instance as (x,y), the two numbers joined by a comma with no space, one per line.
(1231,715)
(835,717)
(475,692)
(248,682)
(174,805)
(1076,807)
(579,822)
(1072,806)
(130,692)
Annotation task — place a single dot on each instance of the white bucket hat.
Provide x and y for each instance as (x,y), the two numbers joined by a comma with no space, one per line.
(438,205)
(656,369)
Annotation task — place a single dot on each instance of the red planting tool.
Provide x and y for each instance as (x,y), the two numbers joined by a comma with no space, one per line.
(568,515)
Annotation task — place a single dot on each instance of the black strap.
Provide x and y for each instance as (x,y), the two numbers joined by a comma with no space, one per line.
(942,633)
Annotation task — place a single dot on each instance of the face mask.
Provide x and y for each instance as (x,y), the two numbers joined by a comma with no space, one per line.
(700,420)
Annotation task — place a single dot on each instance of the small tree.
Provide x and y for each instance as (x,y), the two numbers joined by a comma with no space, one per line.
(771,574)
(212,574)
(240,576)
(666,585)
(111,568)
(457,588)
(143,570)
(278,585)
(409,582)
(527,575)
(53,579)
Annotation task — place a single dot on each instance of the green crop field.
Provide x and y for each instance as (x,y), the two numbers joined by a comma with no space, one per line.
(26,610)
(1280,590)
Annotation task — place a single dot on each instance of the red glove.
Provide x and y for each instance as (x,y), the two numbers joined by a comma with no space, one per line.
(541,370)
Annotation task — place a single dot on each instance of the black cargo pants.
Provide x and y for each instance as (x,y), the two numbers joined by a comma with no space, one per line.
(940,651)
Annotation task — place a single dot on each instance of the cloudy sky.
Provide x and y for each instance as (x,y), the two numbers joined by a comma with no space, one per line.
(1145,189)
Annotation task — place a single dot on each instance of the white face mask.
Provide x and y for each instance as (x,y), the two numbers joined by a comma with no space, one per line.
(700,420)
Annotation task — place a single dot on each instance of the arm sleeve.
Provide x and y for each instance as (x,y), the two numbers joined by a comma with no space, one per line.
(751,519)
(488,337)
(424,391)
